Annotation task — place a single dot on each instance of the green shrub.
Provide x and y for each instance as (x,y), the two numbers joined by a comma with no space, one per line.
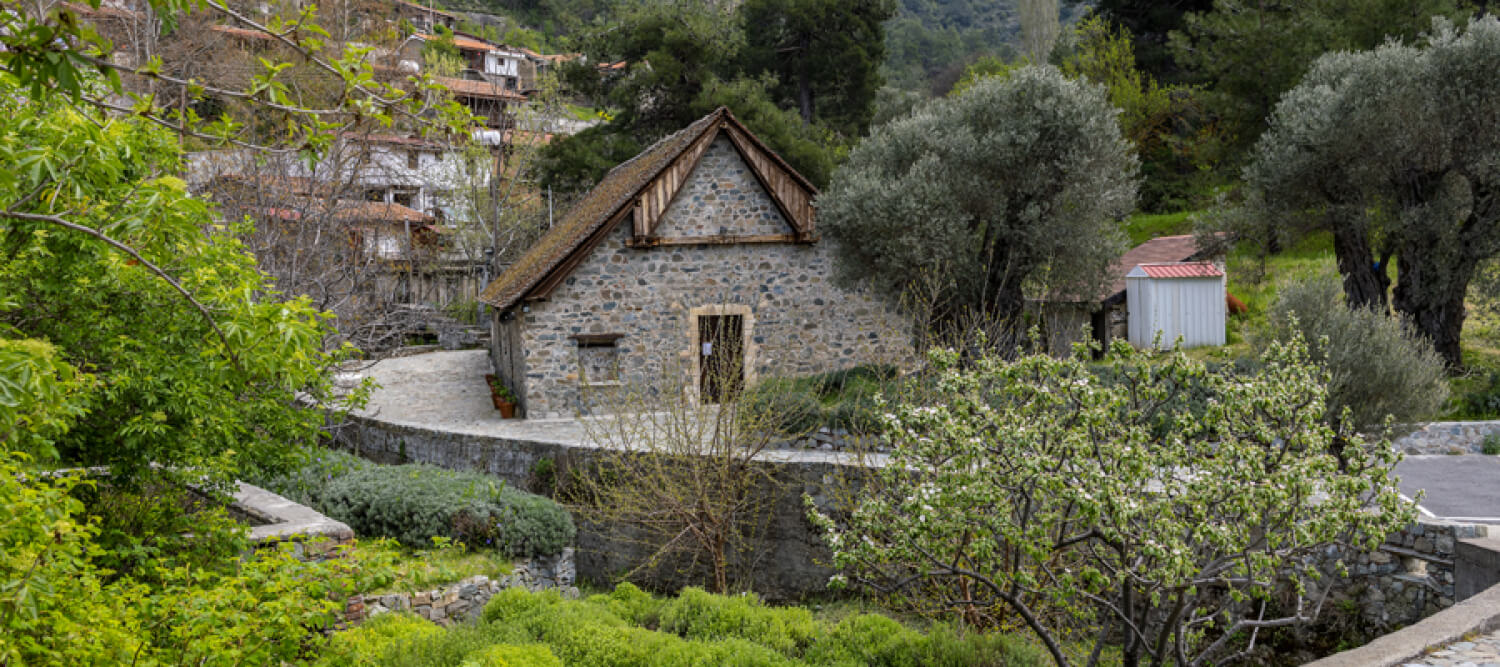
(511,655)
(319,467)
(1491,444)
(1482,402)
(631,604)
(1378,366)
(415,503)
(696,614)
(786,407)
(367,643)
(856,414)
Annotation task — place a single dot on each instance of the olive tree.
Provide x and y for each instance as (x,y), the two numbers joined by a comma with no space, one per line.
(1153,504)
(1393,151)
(1013,188)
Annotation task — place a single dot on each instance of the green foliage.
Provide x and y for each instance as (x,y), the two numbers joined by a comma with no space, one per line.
(1013,189)
(416,503)
(1378,366)
(825,56)
(366,643)
(630,628)
(58,606)
(1176,141)
(1483,400)
(39,397)
(1250,53)
(842,399)
(684,59)
(507,655)
(155,380)
(695,614)
(785,406)
(1014,467)
(1387,150)
(983,68)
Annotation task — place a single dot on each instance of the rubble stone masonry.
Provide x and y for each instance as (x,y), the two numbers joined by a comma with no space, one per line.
(796,321)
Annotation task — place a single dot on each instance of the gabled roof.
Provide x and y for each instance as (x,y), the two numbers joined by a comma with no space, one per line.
(1176,270)
(1162,249)
(623,190)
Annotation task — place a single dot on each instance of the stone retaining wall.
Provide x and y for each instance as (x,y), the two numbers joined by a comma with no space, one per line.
(1411,576)
(465,600)
(791,564)
(1447,437)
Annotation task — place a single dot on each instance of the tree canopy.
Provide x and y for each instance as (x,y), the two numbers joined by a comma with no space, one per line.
(1249,53)
(99,237)
(825,54)
(1150,504)
(1013,188)
(1393,151)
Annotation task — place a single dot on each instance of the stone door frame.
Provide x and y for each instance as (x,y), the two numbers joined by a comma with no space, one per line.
(749,351)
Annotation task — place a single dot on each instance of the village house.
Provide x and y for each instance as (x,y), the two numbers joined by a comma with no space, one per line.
(700,253)
(1107,317)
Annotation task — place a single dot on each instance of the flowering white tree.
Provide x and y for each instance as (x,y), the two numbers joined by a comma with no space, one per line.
(1151,504)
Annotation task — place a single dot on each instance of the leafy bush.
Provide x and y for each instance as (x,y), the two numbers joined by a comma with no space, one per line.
(1491,444)
(57,606)
(696,614)
(511,655)
(1378,366)
(1483,401)
(785,407)
(630,627)
(415,503)
(366,643)
(318,468)
(837,399)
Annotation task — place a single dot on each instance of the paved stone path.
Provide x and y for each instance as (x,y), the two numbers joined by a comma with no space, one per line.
(1482,651)
(446,391)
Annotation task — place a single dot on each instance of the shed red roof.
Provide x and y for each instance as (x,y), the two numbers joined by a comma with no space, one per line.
(1181,270)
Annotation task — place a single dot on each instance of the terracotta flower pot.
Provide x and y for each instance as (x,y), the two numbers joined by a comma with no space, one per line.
(507,409)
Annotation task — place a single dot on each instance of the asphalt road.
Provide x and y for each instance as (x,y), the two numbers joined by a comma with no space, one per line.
(1464,488)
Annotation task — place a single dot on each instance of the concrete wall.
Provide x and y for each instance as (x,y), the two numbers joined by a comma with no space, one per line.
(797,321)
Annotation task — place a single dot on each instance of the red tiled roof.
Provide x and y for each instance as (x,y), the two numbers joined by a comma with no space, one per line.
(369,211)
(1181,270)
(464,42)
(468,88)
(1161,249)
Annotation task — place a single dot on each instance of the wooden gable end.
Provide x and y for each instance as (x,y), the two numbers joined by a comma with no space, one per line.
(792,195)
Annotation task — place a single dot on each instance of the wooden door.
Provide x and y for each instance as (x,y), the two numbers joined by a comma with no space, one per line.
(721,366)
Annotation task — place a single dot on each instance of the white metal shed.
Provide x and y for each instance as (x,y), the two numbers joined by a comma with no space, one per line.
(1176,299)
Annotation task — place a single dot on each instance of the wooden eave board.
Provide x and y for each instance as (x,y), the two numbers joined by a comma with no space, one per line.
(791,195)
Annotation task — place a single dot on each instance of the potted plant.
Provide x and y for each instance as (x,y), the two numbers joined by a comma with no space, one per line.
(502,396)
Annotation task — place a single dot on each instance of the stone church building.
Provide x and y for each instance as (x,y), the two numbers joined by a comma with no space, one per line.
(700,253)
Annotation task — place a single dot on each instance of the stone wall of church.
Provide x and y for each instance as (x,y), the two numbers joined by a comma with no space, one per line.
(796,320)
